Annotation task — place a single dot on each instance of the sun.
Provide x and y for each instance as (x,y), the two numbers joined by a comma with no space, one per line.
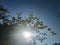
(27,34)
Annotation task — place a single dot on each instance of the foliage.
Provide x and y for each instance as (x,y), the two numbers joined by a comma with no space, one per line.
(31,21)
(56,43)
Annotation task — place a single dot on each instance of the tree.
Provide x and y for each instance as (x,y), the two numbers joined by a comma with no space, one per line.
(3,14)
(56,43)
(32,22)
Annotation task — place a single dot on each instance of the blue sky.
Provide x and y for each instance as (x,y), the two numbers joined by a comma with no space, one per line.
(47,10)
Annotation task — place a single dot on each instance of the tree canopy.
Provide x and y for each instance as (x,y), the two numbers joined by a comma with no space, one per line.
(7,25)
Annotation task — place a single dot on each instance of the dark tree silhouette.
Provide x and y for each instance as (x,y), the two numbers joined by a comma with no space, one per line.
(56,43)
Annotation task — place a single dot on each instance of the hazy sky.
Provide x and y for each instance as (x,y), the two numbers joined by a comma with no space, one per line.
(47,10)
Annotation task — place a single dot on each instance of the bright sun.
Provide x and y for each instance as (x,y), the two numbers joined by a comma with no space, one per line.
(27,34)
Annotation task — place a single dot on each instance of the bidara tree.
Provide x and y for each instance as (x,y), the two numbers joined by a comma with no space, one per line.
(30,24)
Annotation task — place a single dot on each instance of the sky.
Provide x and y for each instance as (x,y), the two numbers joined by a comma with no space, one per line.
(47,10)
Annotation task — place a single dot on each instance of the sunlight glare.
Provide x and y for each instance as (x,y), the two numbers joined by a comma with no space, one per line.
(27,34)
